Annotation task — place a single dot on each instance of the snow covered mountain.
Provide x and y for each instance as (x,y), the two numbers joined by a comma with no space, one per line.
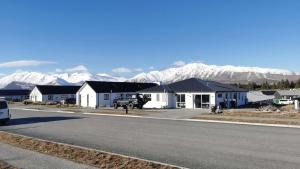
(226,74)
(77,75)
(24,80)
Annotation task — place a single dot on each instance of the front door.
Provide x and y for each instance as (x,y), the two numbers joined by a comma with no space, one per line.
(198,101)
(88,100)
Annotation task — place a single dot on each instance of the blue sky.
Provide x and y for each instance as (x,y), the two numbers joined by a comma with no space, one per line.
(105,35)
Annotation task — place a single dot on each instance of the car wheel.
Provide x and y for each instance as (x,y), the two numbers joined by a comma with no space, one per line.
(130,106)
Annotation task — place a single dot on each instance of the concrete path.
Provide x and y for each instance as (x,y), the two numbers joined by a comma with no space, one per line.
(184,143)
(26,159)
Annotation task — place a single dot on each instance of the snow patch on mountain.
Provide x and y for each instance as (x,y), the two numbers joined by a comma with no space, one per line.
(226,73)
(74,76)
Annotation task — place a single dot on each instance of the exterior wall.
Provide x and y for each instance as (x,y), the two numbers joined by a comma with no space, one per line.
(190,99)
(57,97)
(86,97)
(15,98)
(36,95)
(166,100)
(101,102)
(241,98)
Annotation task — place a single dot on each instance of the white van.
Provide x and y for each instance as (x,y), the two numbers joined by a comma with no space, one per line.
(4,112)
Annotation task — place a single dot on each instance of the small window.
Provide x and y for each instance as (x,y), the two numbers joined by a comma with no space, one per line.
(3,105)
(220,95)
(158,97)
(106,96)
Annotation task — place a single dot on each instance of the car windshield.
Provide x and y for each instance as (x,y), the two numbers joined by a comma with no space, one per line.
(3,105)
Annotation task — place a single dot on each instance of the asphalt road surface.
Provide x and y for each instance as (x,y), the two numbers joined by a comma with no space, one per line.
(188,144)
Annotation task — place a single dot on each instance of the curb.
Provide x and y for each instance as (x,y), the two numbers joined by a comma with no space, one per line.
(91,149)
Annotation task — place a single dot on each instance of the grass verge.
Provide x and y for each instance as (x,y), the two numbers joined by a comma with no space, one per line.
(79,154)
(285,117)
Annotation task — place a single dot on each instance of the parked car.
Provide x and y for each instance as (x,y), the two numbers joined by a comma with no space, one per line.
(283,101)
(135,101)
(4,112)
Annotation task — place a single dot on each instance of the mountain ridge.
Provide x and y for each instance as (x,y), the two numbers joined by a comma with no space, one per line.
(225,74)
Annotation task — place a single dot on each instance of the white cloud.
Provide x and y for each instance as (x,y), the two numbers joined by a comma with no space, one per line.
(151,67)
(138,69)
(126,70)
(121,70)
(58,70)
(2,75)
(79,68)
(23,63)
(179,63)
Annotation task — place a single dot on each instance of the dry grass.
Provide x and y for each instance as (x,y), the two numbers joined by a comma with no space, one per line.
(4,165)
(285,116)
(121,111)
(80,155)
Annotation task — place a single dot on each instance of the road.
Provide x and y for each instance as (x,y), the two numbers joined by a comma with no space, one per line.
(183,143)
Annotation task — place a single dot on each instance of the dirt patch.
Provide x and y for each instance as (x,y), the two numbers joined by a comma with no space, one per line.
(4,165)
(284,116)
(78,154)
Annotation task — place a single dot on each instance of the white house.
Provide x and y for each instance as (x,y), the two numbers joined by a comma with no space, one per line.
(47,93)
(95,94)
(14,95)
(195,93)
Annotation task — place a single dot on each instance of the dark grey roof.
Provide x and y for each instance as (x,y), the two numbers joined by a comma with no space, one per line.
(159,89)
(196,85)
(51,89)
(14,92)
(118,87)
(292,92)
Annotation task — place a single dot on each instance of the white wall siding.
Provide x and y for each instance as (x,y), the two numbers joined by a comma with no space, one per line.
(190,99)
(166,100)
(36,95)
(86,97)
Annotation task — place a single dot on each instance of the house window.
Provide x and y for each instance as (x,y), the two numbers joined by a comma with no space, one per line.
(205,101)
(220,95)
(158,97)
(106,96)
(148,96)
(180,101)
(50,97)
(226,96)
